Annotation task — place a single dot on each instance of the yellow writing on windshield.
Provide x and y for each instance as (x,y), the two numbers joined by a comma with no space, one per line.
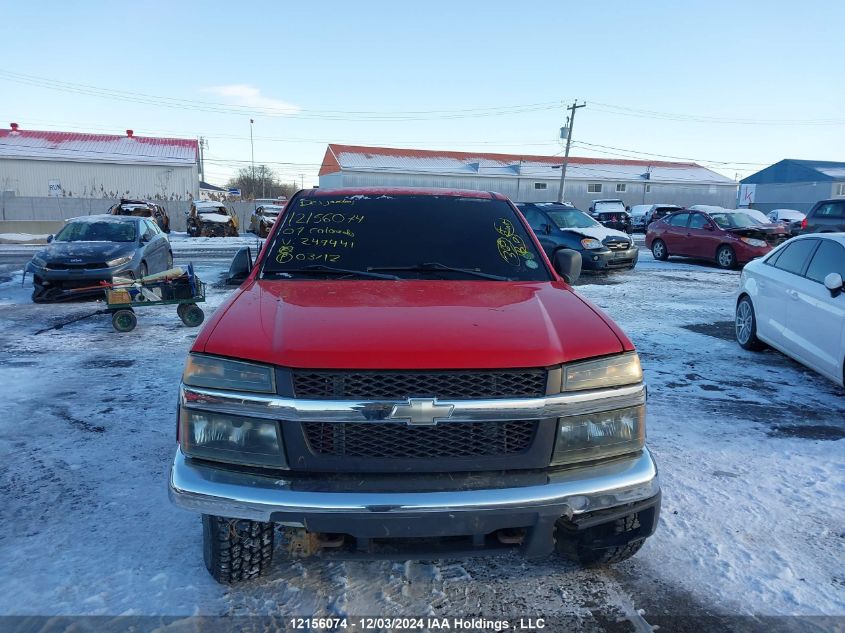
(511,247)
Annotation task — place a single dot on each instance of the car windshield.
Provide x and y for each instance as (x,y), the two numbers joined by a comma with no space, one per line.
(734,220)
(407,236)
(572,219)
(97,232)
(220,210)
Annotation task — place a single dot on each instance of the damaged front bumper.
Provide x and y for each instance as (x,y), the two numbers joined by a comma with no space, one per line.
(583,495)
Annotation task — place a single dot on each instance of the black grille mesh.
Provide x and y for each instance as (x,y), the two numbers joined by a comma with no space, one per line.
(445,385)
(398,440)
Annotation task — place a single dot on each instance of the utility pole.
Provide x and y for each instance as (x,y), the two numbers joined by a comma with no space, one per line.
(570,123)
(203,144)
(302,181)
(252,157)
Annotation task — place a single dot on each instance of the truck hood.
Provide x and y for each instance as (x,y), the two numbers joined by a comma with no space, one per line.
(409,324)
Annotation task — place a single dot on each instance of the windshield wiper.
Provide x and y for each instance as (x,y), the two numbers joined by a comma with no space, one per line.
(434,266)
(321,269)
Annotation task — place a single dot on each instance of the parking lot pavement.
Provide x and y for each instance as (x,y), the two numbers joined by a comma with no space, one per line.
(748,447)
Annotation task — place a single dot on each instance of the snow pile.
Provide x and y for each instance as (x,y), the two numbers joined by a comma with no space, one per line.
(22,238)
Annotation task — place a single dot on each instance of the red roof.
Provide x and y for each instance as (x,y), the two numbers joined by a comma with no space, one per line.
(97,147)
(331,163)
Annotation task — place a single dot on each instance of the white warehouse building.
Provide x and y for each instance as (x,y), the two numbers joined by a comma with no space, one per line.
(528,178)
(94,166)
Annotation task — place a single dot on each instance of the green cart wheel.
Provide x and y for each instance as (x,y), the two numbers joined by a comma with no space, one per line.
(124,320)
(180,310)
(192,315)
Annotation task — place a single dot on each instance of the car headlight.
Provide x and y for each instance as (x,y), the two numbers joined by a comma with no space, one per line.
(221,373)
(37,261)
(599,435)
(613,371)
(590,243)
(120,261)
(753,241)
(228,438)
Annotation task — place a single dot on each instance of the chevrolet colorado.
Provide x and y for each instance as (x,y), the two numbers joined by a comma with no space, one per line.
(404,373)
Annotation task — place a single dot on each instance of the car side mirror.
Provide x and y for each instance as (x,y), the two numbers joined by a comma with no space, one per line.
(567,264)
(627,208)
(833,282)
(50,238)
(709,227)
(241,266)
(546,228)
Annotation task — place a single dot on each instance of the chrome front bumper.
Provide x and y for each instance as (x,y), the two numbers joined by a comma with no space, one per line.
(202,487)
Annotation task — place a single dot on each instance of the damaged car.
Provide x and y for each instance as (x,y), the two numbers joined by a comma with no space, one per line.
(96,248)
(729,238)
(207,218)
(262,219)
(559,225)
(143,209)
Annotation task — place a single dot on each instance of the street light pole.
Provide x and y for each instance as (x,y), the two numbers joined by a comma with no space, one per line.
(252,157)
(570,125)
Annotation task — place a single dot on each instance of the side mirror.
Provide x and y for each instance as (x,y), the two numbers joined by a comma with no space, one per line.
(241,266)
(546,228)
(567,264)
(50,238)
(833,282)
(627,208)
(709,227)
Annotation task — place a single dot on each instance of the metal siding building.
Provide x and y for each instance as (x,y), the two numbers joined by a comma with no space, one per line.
(528,178)
(796,184)
(64,164)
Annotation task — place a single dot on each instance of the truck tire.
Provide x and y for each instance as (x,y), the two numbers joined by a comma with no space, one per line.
(236,549)
(579,546)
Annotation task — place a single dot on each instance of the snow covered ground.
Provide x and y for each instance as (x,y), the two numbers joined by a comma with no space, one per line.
(749,448)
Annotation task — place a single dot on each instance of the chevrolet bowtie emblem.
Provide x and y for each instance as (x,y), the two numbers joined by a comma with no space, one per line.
(421,411)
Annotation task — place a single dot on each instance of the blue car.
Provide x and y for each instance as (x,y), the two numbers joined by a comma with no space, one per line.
(95,248)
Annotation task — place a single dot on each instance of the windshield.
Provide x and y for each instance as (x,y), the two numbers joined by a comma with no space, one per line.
(220,210)
(734,220)
(393,232)
(97,232)
(572,219)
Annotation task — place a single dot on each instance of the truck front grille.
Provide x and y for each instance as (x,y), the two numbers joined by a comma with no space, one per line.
(399,440)
(399,385)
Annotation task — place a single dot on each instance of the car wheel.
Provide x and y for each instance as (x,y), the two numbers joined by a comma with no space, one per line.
(725,257)
(236,549)
(143,271)
(658,249)
(169,260)
(746,325)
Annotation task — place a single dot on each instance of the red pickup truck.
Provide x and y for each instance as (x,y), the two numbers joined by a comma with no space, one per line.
(403,373)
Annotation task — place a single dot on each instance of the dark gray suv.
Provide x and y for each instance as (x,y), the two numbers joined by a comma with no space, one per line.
(826,216)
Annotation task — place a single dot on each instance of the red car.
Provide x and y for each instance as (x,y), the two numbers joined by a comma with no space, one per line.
(406,367)
(730,238)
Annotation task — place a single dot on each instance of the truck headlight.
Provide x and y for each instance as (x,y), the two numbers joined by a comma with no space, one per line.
(221,373)
(120,261)
(590,243)
(613,371)
(232,439)
(599,435)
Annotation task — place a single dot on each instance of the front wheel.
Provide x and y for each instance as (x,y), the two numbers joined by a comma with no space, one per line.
(236,549)
(589,547)
(725,257)
(658,249)
(746,326)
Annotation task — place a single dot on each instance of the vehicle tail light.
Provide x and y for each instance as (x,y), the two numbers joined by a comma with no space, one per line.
(803,224)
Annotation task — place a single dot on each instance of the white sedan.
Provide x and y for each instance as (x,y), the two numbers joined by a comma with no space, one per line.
(793,300)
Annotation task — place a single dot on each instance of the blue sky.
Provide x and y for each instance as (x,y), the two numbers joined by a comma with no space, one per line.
(743,83)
